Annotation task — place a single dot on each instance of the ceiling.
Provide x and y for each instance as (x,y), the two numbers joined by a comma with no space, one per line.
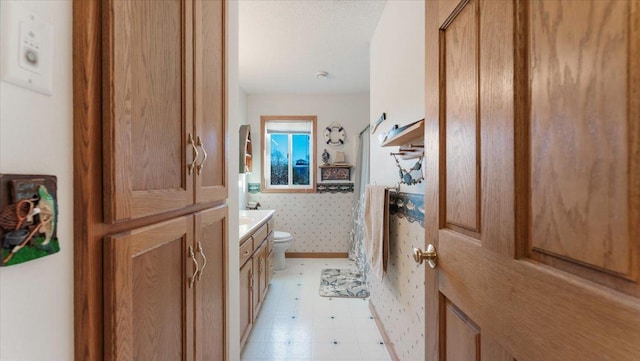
(283,43)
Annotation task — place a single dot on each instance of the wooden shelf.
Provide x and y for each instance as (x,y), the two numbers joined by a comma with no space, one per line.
(413,154)
(415,131)
(246,151)
(336,166)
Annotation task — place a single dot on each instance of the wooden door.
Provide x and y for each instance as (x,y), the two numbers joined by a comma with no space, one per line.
(210,291)
(210,98)
(533,166)
(148,97)
(148,302)
(246,300)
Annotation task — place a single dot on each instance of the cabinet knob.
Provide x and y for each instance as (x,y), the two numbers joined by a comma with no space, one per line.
(192,165)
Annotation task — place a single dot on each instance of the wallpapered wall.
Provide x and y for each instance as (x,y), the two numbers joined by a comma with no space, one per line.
(399,298)
(397,88)
(319,222)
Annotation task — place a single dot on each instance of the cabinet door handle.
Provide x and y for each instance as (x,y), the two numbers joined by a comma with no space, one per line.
(204,153)
(192,165)
(192,255)
(251,280)
(204,259)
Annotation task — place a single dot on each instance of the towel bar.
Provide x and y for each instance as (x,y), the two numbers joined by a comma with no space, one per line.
(396,188)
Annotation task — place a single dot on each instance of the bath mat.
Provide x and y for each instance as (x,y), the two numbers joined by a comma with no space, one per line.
(342,283)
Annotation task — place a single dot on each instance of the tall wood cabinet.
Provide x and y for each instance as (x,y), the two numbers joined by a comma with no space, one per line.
(151,314)
(161,152)
(150,179)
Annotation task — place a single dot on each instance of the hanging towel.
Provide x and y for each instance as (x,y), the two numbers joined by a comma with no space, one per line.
(376,230)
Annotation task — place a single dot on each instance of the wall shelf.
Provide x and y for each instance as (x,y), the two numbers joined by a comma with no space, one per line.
(246,150)
(404,135)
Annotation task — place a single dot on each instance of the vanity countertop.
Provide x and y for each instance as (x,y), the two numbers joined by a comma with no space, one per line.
(250,220)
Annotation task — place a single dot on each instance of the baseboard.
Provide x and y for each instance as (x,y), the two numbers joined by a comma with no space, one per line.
(316,255)
(383,333)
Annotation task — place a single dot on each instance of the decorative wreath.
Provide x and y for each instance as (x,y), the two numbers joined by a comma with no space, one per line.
(334,135)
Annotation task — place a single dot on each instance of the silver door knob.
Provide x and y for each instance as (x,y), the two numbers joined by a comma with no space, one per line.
(430,256)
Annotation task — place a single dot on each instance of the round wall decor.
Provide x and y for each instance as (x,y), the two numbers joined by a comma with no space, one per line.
(334,135)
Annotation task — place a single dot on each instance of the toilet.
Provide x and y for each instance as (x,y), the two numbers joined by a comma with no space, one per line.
(282,242)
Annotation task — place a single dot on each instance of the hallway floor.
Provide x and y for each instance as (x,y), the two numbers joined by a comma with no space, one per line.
(295,323)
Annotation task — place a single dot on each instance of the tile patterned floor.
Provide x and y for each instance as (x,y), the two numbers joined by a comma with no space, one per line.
(295,323)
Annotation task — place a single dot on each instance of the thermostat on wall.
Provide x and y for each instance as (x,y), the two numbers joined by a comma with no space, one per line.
(27,48)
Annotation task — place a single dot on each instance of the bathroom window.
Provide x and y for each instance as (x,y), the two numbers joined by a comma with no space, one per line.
(288,150)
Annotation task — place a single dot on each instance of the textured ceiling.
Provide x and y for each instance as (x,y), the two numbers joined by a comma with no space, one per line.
(284,43)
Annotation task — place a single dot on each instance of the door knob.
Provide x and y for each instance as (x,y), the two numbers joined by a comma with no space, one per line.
(430,256)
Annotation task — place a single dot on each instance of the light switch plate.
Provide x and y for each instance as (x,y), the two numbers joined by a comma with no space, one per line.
(27,47)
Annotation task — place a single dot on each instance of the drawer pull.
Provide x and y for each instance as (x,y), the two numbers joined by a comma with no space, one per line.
(192,255)
(204,153)
(246,253)
(203,258)
(192,165)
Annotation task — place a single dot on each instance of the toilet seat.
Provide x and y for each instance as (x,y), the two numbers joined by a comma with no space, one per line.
(280,236)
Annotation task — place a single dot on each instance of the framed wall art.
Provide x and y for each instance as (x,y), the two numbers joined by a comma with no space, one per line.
(330,172)
(28,217)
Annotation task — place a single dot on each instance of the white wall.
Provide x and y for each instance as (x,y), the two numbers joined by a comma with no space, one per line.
(397,82)
(36,298)
(234,99)
(397,88)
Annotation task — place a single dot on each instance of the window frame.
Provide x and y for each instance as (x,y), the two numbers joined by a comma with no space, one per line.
(265,187)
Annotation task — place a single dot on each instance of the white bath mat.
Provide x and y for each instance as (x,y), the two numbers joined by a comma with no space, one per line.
(342,283)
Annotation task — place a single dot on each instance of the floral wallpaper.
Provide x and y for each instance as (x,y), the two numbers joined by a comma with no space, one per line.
(319,222)
(399,298)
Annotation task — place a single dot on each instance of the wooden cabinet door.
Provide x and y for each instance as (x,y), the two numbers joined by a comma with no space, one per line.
(246,300)
(533,135)
(270,269)
(264,272)
(148,111)
(148,303)
(258,278)
(210,98)
(210,290)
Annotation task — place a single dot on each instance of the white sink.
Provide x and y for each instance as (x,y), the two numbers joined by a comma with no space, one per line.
(244,220)
(249,220)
